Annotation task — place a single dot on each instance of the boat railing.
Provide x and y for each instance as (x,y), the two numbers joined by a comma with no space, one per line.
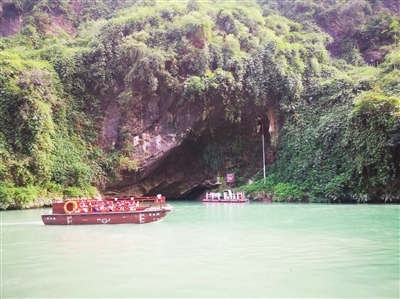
(125,204)
(227,195)
(213,195)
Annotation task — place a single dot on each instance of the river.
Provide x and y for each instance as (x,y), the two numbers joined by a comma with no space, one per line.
(208,250)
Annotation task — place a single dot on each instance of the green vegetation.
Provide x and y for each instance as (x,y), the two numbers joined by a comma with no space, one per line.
(340,139)
(349,150)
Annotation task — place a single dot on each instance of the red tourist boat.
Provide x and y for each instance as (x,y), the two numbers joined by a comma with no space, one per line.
(228,196)
(108,211)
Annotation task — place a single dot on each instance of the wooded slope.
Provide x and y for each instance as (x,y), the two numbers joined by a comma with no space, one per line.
(323,74)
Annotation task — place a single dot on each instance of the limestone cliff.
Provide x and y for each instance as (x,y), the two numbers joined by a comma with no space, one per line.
(172,141)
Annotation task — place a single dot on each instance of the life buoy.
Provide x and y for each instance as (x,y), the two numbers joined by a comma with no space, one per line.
(74,207)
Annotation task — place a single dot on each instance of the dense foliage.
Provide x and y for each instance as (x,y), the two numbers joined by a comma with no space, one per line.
(341,134)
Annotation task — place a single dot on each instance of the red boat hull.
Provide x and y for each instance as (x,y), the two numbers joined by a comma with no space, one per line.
(138,217)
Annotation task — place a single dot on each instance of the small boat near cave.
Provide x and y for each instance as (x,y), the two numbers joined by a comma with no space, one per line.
(228,196)
(123,210)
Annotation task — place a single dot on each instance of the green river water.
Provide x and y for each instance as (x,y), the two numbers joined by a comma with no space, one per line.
(208,251)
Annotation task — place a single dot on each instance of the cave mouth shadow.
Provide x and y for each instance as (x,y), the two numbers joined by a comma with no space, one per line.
(10,11)
(195,194)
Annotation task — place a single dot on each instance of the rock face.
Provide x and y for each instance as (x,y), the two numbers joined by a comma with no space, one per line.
(185,149)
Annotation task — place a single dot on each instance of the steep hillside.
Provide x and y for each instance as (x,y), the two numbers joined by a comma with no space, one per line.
(359,28)
(155,97)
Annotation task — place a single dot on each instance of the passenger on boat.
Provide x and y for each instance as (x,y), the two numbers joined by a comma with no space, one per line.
(95,207)
(103,207)
(109,206)
(126,205)
(118,206)
(83,208)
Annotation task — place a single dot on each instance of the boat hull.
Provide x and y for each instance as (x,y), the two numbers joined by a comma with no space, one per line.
(135,217)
